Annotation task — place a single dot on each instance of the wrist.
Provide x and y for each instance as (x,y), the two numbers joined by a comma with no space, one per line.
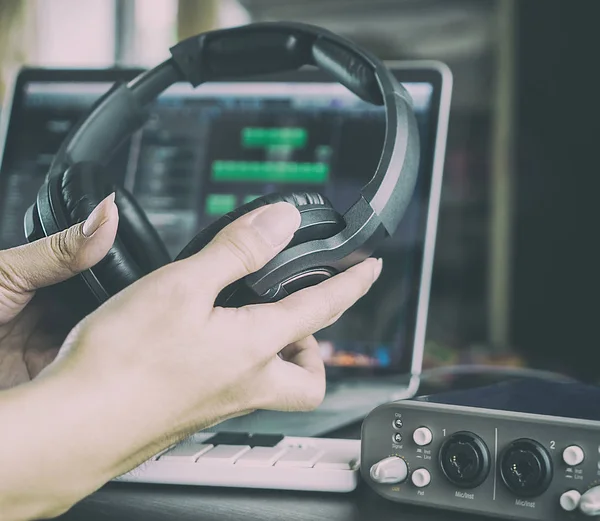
(117,417)
(129,409)
(71,430)
(157,399)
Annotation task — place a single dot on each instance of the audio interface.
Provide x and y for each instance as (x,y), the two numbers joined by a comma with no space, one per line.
(497,463)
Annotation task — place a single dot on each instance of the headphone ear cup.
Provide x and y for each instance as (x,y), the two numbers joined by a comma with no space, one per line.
(137,249)
(319,220)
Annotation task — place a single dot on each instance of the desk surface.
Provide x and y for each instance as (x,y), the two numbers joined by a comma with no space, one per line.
(138,502)
(128,502)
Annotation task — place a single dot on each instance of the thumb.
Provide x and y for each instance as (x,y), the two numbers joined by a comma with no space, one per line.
(58,257)
(247,244)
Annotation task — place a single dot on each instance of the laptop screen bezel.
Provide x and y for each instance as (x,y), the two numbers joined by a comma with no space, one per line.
(434,73)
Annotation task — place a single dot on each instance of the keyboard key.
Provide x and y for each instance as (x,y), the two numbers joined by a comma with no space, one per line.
(264,440)
(261,456)
(304,458)
(337,461)
(239,438)
(159,454)
(185,452)
(223,454)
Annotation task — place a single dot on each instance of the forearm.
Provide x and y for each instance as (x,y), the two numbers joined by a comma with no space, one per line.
(68,433)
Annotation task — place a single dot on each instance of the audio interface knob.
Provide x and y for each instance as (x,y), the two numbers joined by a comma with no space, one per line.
(421,478)
(590,502)
(573,455)
(422,436)
(389,470)
(569,501)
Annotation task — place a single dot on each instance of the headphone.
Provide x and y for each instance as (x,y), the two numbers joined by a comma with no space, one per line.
(326,241)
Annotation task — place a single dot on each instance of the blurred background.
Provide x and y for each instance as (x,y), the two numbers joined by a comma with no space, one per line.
(516,257)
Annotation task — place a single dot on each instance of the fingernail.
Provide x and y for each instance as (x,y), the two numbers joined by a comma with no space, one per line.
(277,222)
(377,270)
(99,216)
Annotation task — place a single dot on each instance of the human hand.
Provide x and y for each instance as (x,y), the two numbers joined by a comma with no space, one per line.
(33,324)
(171,363)
(158,361)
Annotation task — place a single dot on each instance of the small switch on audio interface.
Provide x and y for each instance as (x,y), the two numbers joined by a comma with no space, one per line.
(573,455)
(422,436)
(389,470)
(421,478)
(569,501)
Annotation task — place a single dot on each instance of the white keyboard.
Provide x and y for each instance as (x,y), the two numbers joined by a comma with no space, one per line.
(264,461)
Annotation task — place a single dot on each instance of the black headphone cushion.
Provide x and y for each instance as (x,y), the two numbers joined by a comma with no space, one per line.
(137,249)
(319,220)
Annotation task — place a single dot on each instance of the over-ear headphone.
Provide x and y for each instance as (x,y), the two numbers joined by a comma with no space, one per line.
(326,242)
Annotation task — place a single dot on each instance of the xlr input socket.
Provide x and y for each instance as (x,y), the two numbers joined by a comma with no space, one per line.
(526,468)
(465,459)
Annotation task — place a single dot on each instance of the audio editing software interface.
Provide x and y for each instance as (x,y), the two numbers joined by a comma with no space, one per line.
(203,152)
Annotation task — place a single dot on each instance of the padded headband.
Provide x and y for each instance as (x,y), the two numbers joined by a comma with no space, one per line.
(262,48)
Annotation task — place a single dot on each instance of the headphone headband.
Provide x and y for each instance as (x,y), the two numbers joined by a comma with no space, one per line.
(270,47)
(263,48)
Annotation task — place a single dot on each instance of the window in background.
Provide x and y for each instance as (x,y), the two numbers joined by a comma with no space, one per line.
(155,30)
(232,13)
(151,28)
(72,33)
(17,40)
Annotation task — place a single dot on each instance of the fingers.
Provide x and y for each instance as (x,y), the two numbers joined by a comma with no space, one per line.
(312,309)
(246,245)
(56,258)
(297,380)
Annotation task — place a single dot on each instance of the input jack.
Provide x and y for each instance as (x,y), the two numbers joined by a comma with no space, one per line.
(465,459)
(526,468)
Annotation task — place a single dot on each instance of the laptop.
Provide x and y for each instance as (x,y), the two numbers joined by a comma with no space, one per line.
(374,353)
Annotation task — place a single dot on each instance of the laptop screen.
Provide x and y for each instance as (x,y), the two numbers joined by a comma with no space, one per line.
(208,150)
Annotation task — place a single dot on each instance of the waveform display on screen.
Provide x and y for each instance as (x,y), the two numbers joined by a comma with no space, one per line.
(220,204)
(270,172)
(253,137)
